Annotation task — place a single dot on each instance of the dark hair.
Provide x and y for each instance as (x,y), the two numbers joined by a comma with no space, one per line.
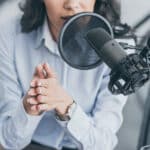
(34,13)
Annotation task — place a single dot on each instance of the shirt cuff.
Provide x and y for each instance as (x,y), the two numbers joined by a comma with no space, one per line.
(25,123)
(79,123)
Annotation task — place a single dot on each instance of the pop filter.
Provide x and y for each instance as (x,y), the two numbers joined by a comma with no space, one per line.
(73,46)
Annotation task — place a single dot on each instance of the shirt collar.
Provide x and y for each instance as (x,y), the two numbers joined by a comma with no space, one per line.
(44,37)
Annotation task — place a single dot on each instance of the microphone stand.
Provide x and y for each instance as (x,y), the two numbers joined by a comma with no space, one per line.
(126,79)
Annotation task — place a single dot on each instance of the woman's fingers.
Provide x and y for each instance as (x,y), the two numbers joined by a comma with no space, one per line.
(46,107)
(39,71)
(44,78)
(42,107)
(39,83)
(32,101)
(41,99)
(32,92)
(41,91)
(38,91)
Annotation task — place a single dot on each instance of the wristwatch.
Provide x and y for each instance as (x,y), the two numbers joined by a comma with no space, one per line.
(68,115)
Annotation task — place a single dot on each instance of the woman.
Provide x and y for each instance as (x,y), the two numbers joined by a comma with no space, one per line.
(59,108)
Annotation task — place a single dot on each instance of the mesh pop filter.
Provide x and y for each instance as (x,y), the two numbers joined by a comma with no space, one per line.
(73,46)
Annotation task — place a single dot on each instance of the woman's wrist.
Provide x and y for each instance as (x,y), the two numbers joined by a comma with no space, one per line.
(62,109)
(68,113)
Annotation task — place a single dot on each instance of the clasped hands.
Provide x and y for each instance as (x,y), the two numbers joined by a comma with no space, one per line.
(46,93)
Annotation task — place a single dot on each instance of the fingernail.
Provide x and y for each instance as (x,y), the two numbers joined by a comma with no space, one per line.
(28,100)
(44,73)
(32,83)
(39,65)
(29,92)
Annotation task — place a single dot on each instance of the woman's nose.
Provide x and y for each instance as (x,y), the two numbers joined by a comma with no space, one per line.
(72,5)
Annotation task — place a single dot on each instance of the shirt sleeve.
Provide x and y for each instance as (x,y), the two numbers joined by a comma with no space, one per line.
(16,126)
(97,130)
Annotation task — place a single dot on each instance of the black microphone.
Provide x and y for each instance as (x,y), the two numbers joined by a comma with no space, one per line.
(107,48)
(86,40)
(128,72)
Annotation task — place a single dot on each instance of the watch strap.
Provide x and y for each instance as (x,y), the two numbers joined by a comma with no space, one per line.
(67,116)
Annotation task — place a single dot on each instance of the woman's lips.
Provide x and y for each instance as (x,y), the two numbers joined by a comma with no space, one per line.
(66,18)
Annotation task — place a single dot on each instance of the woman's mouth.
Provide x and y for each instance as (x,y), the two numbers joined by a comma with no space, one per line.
(66,18)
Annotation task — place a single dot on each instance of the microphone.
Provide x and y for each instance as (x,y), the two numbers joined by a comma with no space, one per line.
(86,40)
(107,48)
(128,72)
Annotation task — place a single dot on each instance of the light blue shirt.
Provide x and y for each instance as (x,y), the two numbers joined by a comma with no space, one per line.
(98,115)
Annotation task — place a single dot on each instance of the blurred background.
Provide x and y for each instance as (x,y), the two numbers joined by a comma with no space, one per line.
(135,131)
(137,15)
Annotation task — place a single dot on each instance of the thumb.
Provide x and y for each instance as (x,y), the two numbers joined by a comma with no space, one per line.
(49,71)
(39,72)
